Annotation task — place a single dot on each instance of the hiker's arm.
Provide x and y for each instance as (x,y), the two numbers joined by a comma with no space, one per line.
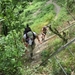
(25,42)
(38,39)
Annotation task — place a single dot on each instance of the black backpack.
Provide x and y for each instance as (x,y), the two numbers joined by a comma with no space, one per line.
(27,29)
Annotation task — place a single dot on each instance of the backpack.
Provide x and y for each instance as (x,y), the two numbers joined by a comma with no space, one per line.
(30,36)
(27,29)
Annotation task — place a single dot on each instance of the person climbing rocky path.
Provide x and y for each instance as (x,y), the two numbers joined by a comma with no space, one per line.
(40,47)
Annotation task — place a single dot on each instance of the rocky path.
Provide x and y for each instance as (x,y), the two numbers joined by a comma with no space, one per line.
(40,47)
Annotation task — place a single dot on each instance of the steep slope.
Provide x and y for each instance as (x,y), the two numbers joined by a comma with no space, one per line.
(40,47)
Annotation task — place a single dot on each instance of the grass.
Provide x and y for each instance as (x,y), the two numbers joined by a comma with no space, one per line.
(39,23)
(61,18)
(64,57)
(42,18)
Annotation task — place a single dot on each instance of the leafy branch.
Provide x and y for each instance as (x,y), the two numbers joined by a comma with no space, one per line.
(55,31)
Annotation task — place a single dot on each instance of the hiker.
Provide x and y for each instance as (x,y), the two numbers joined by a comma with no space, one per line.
(44,31)
(29,41)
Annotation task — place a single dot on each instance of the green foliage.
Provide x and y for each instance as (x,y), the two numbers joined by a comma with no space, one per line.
(68,65)
(56,44)
(39,0)
(11,50)
(15,14)
(48,8)
(71,32)
(55,67)
(61,18)
(45,54)
(61,2)
(11,13)
(40,22)
(48,52)
(69,4)
(39,16)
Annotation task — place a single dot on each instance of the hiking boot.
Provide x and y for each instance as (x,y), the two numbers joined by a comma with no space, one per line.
(31,59)
(31,55)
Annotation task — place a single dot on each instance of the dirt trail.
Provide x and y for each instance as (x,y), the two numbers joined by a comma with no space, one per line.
(40,47)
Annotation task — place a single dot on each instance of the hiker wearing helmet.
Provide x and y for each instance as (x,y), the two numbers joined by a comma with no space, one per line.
(29,40)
